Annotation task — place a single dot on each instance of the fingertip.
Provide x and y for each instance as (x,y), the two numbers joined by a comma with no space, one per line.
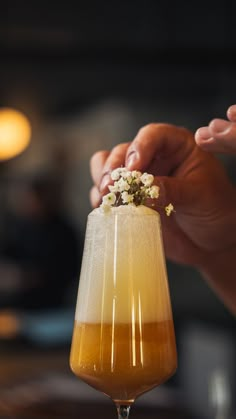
(231,113)
(202,134)
(144,146)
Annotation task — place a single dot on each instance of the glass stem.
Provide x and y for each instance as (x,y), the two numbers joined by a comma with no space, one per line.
(123,411)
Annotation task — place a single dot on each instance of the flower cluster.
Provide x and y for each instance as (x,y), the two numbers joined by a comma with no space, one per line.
(131,187)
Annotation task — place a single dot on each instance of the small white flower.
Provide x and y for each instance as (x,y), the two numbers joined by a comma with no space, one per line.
(154,192)
(123,185)
(147,179)
(127,175)
(114,188)
(109,199)
(126,197)
(136,175)
(115,174)
(168,209)
(132,188)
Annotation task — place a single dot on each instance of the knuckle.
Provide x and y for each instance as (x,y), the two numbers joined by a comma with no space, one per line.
(148,128)
(152,128)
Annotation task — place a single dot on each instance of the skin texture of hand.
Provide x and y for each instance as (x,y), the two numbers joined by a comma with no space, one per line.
(220,135)
(202,230)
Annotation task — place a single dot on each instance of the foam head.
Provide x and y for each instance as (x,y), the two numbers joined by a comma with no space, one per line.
(123,276)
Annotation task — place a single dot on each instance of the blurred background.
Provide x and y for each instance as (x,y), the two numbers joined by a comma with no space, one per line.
(76,78)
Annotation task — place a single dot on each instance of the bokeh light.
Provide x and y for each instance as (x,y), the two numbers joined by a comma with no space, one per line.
(15,133)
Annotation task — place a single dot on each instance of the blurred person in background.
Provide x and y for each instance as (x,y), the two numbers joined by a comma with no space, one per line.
(40,251)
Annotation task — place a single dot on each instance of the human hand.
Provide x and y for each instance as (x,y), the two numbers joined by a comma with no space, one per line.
(204,223)
(220,135)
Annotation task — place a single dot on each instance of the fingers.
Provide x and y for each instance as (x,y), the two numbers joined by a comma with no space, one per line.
(231,113)
(219,136)
(219,126)
(224,134)
(103,162)
(202,134)
(95,197)
(97,163)
(159,147)
(116,158)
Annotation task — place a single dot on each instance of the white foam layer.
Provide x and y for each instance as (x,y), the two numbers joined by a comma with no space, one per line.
(123,275)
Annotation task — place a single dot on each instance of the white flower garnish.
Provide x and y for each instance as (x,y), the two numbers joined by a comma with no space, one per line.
(147,179)
(126,197)
(117,173)
(154,192)
(169,208)
(108,200)
(123,185)
(136,175)
(127,175)
(131,188)
(114,188)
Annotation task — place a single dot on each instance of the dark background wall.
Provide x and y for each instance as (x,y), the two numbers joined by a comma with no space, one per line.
(61,57)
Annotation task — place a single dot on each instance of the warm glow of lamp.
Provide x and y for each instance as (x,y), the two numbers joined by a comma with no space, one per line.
(15,133)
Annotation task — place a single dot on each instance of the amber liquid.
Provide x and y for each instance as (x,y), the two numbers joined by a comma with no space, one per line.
(123,360)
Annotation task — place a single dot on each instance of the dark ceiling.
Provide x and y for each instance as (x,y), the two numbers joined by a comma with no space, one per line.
(62,56)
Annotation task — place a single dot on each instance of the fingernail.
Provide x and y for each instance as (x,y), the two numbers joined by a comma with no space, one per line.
(106,179)
(132,159)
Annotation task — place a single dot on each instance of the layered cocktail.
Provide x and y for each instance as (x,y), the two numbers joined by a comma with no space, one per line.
(123,340)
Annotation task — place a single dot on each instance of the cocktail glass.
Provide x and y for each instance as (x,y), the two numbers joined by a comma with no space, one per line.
(123,340)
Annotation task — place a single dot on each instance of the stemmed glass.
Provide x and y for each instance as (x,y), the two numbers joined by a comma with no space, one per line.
(123,340)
